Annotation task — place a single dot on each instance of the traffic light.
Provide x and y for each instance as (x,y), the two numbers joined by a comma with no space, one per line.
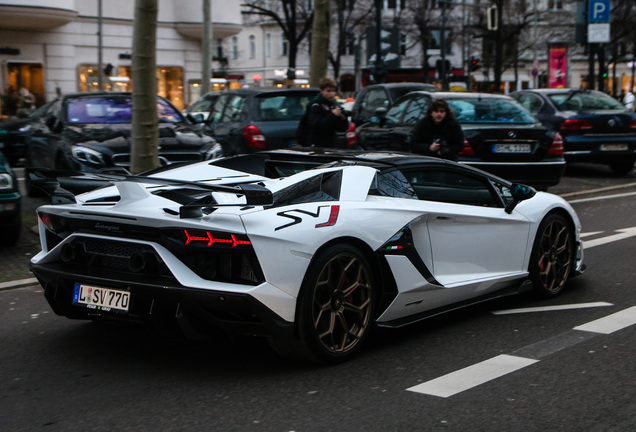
(493,22)
(474,63)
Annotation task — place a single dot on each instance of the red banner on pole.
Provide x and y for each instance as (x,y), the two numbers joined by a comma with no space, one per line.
(557,66)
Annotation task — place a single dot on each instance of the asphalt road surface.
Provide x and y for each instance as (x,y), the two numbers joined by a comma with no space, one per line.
(519,364)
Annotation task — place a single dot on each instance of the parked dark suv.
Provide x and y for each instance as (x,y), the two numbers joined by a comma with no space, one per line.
(375,96)
(252,119)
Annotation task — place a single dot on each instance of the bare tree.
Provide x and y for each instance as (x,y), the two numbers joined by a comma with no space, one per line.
(290,15)
(145,124)
(351,19)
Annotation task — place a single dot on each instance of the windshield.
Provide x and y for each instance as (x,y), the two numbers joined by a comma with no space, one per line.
(489,110)
(112,109)
(283,107)
(582,101)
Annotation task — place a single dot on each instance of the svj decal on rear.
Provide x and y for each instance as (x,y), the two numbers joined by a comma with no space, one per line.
(296,219)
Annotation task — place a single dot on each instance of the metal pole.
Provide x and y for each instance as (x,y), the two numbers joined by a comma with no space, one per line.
(206,56)
(379,69)
(100,63)
(442,70)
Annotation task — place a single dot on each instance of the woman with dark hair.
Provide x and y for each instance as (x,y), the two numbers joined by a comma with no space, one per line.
(438,133)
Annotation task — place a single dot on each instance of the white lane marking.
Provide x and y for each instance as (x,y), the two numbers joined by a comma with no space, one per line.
(611,323)
(602,198)
(623,234)
(597,190)
(472,376)
(591,233)
(550,308)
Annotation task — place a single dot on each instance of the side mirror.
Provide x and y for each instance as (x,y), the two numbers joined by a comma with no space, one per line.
(53,123)
(196,118)
(379,116)
(519,193)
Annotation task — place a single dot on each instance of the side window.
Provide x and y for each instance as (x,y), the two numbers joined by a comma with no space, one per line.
(217,109)
(233,109)
(415,111)
(375,98)
(452,187)
(530,102)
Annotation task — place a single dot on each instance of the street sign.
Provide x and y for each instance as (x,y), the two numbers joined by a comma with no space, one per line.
(599,11)
(598,33)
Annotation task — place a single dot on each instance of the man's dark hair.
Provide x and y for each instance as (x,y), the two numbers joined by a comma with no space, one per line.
(440,104)
(328,83)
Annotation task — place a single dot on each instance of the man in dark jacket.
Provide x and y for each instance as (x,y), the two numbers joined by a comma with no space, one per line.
(325,117)
(438,133)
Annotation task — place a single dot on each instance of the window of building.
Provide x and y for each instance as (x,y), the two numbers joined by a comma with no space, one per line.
(268,45)
(252,46)
(555,4)
(284,45)
(113,79)
(395,4)
(235,48)
(170,83)
(218,48)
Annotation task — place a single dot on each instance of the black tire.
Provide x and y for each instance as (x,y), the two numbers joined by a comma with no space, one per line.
(335,307)
(623,167)
(552,256)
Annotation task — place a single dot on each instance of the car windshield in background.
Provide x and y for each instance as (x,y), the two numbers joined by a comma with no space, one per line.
(585,101)
(477,110)
(283,107)
(94,110)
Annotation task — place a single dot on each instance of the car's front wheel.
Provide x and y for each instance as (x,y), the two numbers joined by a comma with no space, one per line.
(336,307)
(552,256)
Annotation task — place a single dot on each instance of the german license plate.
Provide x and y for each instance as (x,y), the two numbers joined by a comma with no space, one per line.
(102,299)
(614,147)
(511,148)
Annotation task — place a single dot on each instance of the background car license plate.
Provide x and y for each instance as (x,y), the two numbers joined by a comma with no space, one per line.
(104,299)
(614,147)
(511,148)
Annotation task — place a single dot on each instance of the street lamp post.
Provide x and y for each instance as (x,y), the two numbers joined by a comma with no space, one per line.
(379,69)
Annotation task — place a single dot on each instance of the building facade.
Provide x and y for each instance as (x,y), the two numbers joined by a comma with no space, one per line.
(54,46)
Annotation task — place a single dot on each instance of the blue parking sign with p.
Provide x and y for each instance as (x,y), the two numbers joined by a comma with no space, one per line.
(599,11)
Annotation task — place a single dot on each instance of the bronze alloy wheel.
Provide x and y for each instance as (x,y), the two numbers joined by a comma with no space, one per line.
(552,255)
(342,302)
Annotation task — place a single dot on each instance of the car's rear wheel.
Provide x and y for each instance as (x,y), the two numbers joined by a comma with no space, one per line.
(552,256)
(336,306)
(622,167)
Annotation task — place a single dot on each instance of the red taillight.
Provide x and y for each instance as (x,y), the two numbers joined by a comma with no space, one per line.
(46,220)
(352,139)
(468,150)
(254,137)
(209,239)
(576,124)
(632,124)
(556,149)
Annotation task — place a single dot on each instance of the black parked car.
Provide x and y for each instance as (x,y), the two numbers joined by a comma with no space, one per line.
(595,127)
(501,137)
(253,119)
(375,96)
(14,133)
(90,131)
(10,204)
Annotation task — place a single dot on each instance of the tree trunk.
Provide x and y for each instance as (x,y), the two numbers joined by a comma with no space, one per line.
(319,54)
(145,130)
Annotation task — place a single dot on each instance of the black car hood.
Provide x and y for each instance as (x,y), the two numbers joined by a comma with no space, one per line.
(119,135)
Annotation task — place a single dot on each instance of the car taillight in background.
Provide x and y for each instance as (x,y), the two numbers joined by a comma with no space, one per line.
(576,125)
(352,139)
(632,124)
(556,149)
(254,138)
(468,150)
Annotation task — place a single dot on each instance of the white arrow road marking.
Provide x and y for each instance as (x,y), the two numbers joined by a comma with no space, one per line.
(550,308)
(623,234)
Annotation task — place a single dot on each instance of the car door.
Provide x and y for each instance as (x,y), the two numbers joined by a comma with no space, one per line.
(467,233)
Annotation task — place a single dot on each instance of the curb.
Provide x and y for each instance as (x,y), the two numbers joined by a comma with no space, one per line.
(17,283)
